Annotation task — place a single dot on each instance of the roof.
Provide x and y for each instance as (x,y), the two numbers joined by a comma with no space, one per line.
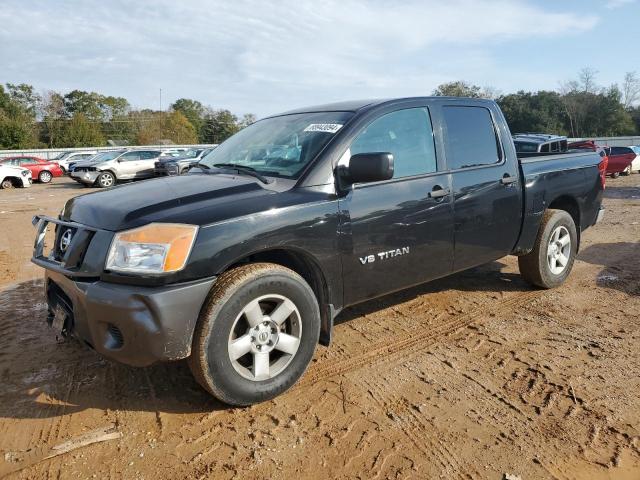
(538,137)
(355,105)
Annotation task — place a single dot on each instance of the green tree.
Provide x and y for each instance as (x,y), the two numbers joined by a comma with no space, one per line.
(18,128)
(461,88)
(79,131)
(218,126)
(542,111)
(87,103)
(160,127)
(193,110)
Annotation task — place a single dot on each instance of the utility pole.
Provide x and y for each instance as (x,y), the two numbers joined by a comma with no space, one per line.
(161,117)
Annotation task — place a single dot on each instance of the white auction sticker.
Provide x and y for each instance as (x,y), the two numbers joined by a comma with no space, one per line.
(324,127)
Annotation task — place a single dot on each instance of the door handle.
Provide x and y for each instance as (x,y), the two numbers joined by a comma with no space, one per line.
(438,192)
(508,180)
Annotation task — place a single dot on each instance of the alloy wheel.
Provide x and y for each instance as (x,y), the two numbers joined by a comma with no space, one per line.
(559,250)
(265,337)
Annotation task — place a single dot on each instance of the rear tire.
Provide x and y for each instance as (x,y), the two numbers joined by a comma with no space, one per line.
(551,260)
(6,184)
(45,176)
(256,334)
(615,175)
(627,171)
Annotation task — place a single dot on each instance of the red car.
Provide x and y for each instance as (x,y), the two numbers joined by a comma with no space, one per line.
(41,170)
(592,146)
(619,159)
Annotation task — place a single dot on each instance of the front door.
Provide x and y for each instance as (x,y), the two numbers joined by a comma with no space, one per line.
(128,165)
(398,232)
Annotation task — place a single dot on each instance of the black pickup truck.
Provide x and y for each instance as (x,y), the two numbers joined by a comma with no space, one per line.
(242,265)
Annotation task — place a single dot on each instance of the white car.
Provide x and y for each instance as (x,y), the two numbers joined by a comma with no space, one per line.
(65,158)
(11,176)
(635,164)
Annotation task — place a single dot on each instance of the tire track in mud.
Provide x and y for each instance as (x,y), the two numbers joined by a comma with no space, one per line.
(411,343)
(414,426)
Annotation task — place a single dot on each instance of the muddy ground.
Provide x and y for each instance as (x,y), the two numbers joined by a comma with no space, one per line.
(474,376)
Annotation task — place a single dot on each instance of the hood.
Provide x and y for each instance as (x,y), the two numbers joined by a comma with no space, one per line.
(13,168)
(195,199)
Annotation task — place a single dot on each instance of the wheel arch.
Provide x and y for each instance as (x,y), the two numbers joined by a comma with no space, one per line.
(570,205)
(305,265)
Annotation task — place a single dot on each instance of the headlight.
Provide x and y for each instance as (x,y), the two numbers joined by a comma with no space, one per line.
(154,248)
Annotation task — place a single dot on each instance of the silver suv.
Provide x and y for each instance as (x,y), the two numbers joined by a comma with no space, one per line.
(107,168)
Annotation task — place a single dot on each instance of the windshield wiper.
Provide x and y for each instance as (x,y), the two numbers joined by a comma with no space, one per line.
(243,169)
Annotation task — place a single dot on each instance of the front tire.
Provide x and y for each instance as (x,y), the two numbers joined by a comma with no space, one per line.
(615,175)
(106,180)
(256,334)
(45,176)
(6,184)
(549,263)
(627,171)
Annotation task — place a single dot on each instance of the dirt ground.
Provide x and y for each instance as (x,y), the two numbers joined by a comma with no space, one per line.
(474,376)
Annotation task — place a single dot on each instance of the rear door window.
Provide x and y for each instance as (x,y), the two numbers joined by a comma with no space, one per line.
(471,137)
(407,135)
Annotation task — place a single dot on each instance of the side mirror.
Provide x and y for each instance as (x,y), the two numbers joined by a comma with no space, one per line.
(370,167)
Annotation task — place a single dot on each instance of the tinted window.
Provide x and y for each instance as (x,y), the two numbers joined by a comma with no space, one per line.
(620,150)
(407,135)
(149,155)
(522,147)
(545,148)
(555,147)
(127,157)
(471,138)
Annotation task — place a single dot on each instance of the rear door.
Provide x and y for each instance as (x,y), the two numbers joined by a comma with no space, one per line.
(619,159)
(146,165)
(487,192)
(399,233)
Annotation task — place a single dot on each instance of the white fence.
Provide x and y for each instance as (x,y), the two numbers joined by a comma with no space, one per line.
(50,153)
(612,141)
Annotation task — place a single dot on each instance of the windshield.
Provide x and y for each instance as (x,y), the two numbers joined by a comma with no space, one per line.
(61,155)
(279,146)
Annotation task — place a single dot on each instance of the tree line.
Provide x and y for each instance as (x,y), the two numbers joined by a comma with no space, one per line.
(82,119)
(579,108)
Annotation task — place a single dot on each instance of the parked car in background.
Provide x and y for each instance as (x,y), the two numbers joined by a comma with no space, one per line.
(11,176)
(539,143)
(591,146)
(168,165)
(42,170)
(66,158)
(620,160)
(106,169)
(635,163)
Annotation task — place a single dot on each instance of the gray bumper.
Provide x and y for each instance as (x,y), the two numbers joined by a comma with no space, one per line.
(85,177)
(130,324)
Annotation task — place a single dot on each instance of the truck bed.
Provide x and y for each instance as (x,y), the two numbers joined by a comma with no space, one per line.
(572,180)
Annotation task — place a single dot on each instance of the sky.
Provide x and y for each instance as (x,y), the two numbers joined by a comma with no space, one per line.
(266,57)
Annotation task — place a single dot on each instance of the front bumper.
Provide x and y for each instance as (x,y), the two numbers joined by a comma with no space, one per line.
(134,325)
(85,177)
